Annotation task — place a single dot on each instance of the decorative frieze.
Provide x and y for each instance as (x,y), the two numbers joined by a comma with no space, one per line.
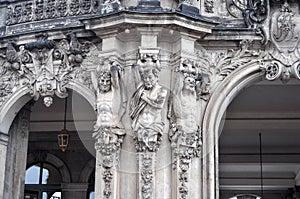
(36,10)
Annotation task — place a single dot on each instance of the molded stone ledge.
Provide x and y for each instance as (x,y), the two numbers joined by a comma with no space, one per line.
(171,19)
(74,186)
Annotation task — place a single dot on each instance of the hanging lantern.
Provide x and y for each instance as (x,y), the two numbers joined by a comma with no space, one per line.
(63,136)
(63,139)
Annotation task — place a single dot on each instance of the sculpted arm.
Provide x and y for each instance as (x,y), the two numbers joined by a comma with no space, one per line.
(159,101)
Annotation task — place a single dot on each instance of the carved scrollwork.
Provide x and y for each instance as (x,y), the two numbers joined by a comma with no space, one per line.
(44,66)
(296,68)
(273,71)
(254,12)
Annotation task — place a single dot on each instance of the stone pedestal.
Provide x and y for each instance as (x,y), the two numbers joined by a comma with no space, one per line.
(17,155)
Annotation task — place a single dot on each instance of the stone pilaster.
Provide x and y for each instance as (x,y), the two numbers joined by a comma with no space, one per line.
(17,155)
(106,176)
(3,151)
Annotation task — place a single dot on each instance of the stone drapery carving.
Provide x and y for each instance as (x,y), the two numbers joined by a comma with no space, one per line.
(44,66)
(145,111)
(185,134)
(146,104)
(109,130)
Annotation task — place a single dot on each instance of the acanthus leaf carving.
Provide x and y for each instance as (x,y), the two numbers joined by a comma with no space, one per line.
(220,64)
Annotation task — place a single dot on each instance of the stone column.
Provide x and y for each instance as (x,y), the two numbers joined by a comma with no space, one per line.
(3,151)
(17,155)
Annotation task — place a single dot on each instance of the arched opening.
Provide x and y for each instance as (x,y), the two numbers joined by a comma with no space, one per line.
(50,172)
(42,181)
(272,109)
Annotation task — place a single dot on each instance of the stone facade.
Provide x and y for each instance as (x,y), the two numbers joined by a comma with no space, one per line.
(159,75)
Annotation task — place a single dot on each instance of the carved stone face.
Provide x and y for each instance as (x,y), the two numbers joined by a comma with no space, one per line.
(189,84)
(149,79)
(104,83)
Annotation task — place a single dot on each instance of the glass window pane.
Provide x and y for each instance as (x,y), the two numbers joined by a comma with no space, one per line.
(45,195)
(31,195)
(45,175)
(92,195)
(56,195)
(32,175)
